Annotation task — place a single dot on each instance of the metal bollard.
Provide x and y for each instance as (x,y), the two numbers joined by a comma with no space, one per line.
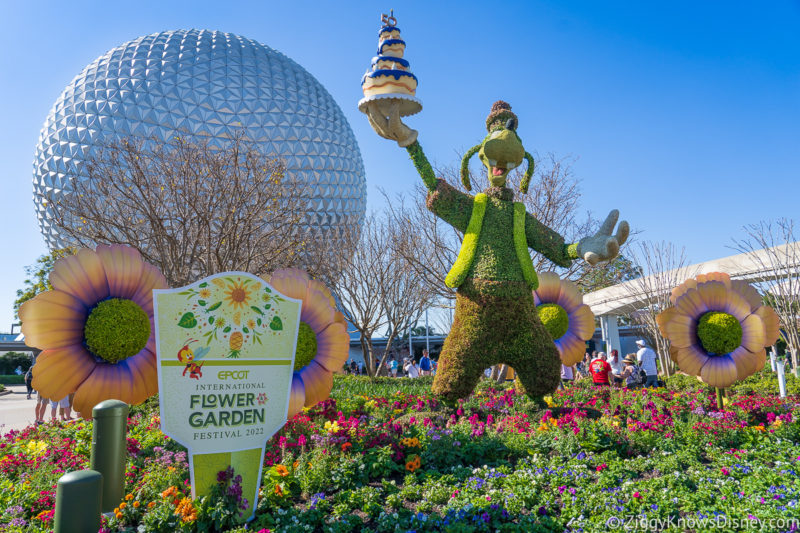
(78,502)
(109,449)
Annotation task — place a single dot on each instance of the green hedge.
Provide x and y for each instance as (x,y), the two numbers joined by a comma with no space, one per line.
(12,379)
(763,382)
(9,361)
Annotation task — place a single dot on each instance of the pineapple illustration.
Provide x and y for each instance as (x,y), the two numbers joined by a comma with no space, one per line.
(235,344)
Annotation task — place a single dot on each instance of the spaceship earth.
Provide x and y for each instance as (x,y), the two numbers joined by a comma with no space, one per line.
(210,85)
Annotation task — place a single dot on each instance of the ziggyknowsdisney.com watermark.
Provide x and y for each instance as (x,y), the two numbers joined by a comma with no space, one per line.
(682,523)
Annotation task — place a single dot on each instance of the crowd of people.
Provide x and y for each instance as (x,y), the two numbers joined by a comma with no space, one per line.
(635,370)
(396,366)
(62,407)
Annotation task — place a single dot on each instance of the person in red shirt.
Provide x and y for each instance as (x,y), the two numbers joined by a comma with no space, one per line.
(600,370)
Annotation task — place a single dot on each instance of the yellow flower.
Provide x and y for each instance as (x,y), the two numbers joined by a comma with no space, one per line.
(282,470)
(332,427)
(36,448)
(205,293)
(549,401)
(238,294)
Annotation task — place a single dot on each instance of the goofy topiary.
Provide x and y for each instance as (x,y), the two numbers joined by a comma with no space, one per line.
(495,317)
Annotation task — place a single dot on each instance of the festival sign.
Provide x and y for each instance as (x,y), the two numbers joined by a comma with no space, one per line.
(226,347)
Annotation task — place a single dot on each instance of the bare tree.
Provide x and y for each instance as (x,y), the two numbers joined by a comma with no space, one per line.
(404,298)
(775,252)
(663,268)
(377,289)
(190,208)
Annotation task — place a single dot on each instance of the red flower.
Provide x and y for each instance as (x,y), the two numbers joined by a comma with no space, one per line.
(637,495)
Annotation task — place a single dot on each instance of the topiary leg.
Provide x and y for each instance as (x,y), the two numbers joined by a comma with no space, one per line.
(462,360)
(496,322)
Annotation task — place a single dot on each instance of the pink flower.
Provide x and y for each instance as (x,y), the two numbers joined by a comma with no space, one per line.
(602,467)
(637,495)
(725,471)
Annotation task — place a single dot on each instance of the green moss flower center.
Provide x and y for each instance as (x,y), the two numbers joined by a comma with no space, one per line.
(116,329)
(306,346)
(719,333)
(554,318)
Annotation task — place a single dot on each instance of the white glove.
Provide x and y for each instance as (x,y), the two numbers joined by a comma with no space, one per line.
(386,123)
(602,246)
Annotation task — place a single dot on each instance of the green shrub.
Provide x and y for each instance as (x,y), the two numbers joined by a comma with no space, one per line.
(766,382)
(12,379)
(684,382)
(9,361)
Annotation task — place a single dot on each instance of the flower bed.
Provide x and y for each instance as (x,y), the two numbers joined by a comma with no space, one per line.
(385,456)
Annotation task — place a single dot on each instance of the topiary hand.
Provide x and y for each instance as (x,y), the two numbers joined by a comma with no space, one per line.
(385,120)
(602,246)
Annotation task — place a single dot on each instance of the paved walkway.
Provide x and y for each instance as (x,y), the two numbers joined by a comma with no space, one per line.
(16,411)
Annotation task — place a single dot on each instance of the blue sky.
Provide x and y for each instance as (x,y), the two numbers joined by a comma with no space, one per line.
(683,115)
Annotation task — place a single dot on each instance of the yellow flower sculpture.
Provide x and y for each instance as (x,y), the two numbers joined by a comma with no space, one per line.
(323,342)
(562,311)
(95,328)
(718,328)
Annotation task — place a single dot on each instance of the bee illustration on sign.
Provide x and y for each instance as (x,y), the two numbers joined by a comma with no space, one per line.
(190,357)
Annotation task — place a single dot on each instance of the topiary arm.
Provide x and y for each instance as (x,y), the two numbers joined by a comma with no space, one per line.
(422,165)
(549,243)
(451,205)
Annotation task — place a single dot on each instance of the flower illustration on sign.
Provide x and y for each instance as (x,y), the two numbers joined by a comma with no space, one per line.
(233,310)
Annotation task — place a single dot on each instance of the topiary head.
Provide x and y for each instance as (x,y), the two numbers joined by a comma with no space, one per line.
(501,150)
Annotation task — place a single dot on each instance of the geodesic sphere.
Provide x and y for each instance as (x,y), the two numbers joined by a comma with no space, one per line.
(212,85)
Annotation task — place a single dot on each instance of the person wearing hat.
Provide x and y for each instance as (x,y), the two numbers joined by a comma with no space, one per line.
(646,358)
(600,370)
(630,372)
